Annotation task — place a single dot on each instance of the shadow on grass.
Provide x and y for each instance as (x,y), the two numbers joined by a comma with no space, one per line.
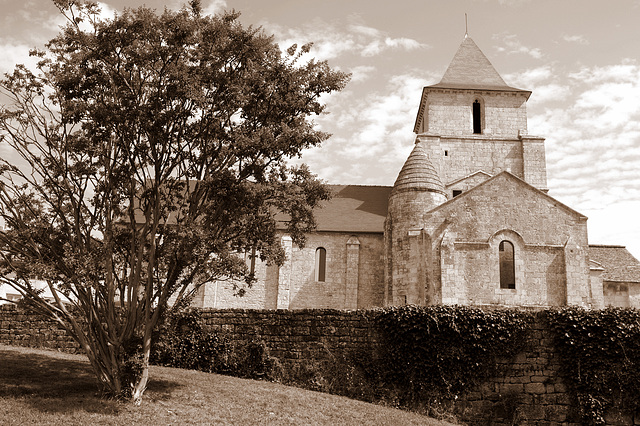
(60,383)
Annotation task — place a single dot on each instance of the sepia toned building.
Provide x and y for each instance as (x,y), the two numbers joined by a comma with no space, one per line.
(468,221)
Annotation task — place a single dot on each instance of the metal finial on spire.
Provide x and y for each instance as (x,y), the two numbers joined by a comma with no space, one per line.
(466,26)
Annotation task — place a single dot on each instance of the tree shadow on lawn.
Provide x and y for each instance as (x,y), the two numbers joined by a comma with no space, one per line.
(58,382)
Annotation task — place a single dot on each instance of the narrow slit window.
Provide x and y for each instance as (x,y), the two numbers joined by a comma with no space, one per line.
(507,265)
(321,264)
(252,268)
(477,117)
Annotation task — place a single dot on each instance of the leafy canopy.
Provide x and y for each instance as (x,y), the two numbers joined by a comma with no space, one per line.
(153,148)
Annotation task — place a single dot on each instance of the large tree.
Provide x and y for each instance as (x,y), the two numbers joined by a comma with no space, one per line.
(151,150)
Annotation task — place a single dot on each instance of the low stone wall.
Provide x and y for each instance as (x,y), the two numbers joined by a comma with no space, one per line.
(296,335)
(527,389)
(20,328)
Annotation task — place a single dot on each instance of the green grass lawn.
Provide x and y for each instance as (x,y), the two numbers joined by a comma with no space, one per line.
(47,387)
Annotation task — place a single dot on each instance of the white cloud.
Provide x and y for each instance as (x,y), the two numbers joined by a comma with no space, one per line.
(578,38)
(531,76)
(551,92)
(626,71)
(43,19)
(331,40)
(213,7)
(406,43)
(590,117)
(371,133)
(542,82)
(365,31)
(13,54)
(593,141)
(513,46)
(361,73)
(613,223)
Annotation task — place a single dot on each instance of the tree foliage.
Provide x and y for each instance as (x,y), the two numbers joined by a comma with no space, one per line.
(152,150)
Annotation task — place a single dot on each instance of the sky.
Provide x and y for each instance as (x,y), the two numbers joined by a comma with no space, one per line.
(580,58)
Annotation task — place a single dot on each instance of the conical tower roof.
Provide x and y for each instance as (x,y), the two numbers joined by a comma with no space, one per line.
(470,69)
(418,174)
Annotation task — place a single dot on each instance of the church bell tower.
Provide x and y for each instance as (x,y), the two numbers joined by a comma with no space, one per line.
(470,126)
(472,122)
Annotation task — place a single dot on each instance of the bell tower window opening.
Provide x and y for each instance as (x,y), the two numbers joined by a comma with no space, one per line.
(321,264)
(507,265)
(477,117)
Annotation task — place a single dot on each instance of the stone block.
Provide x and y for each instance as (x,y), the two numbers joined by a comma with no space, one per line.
(560,387)
(535,388)
(532,412)
(512,388)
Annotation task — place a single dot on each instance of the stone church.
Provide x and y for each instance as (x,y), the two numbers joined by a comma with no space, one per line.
(468,221)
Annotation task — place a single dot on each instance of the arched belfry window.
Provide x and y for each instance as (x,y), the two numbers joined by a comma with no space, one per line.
(477,117)
(507,265)
(321,264)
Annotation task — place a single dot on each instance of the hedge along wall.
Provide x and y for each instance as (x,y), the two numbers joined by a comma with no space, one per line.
(524,389)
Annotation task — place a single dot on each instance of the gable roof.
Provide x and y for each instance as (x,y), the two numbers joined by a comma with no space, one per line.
(518,181)
(471,175)
(470,69)
(353,208)
(361,208)
(618,263)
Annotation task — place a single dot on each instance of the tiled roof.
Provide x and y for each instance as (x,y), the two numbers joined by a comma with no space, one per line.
(418,174)
(354,208)
(470,69)
(618,263)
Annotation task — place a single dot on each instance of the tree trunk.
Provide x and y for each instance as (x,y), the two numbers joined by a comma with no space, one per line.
(141,386)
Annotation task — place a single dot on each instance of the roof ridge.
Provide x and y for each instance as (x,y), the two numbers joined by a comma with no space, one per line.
(357,184)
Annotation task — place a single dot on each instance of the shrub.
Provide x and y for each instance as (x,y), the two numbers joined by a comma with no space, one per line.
(600,350)
(353,374)
(431,355)
(183,343)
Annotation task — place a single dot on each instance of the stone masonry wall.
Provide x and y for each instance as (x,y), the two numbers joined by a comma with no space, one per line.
(449,112)
(296,336)
(353,279)
(456,158)
(527,389)
(20,328)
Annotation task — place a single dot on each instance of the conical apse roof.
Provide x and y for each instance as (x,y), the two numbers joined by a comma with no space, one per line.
(418,174)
